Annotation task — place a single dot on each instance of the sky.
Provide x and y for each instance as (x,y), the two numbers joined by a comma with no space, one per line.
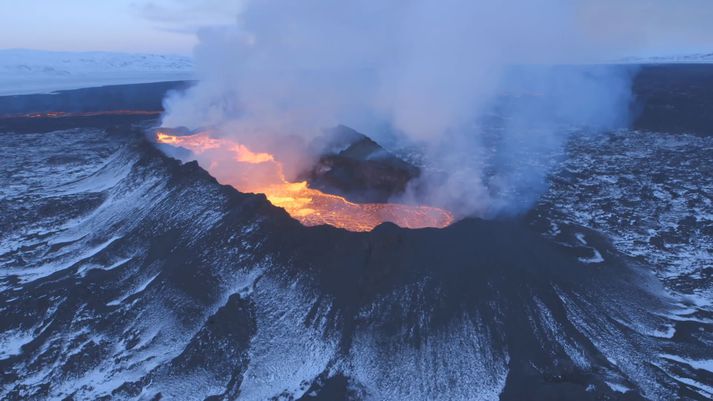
(159,26)
(169,26)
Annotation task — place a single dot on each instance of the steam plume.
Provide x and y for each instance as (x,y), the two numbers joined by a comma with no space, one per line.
(482,87)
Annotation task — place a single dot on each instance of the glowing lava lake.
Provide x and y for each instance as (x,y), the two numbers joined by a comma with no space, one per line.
(234,164)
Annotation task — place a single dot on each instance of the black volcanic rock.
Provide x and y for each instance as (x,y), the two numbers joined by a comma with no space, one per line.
(674,98)
(148,96)
(172,286)
(125,274)
(354,166)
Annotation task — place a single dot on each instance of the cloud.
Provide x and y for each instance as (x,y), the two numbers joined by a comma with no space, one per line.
(187,16)
(650,27)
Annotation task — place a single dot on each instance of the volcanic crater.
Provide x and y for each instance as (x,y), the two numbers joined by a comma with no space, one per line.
(349,186)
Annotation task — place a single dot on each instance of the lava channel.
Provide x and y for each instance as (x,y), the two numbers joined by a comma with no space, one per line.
(234,164)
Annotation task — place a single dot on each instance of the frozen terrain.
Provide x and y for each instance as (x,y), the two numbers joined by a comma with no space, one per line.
(34,71)
(693,58)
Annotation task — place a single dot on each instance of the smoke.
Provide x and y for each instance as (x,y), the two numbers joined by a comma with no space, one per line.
(488,90)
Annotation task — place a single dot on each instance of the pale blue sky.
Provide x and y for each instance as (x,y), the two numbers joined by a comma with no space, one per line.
(160,26)
(168,26)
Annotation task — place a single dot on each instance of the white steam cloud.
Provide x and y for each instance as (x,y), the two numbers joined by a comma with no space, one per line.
(482,87)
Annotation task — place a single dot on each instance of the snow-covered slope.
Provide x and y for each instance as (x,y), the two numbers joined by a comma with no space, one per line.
(37,71)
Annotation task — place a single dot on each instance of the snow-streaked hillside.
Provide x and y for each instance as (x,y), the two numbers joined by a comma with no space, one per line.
(128,275)
(36,71)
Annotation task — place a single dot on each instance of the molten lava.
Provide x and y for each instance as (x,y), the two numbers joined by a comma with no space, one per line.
(234,164)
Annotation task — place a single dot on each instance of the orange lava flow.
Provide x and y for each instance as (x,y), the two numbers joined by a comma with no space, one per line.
(234,164)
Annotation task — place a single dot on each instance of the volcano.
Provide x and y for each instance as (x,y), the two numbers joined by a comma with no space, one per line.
(129,274)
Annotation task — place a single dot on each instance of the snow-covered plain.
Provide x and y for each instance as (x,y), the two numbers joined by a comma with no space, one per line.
(693,58)
(24,71)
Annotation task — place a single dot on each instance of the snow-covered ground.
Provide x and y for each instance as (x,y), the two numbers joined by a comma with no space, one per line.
(696,58)
(25,71)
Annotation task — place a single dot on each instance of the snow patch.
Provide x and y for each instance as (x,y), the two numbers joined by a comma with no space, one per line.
(11,343)
(595,258)
(137,290)
(702,364)
(619,388)
(704,390)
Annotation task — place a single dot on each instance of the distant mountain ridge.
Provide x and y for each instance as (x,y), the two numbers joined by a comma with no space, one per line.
(31,71)
(694,58)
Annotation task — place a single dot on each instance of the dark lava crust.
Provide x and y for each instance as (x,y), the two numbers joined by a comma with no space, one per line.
(354,166)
